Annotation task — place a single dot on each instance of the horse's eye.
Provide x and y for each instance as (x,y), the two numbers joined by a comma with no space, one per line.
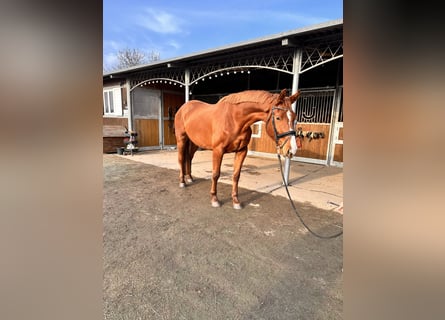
(278,118)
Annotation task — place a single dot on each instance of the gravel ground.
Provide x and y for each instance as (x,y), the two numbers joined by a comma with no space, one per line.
(169,255)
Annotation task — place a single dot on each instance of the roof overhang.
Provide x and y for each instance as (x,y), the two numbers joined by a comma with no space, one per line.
(294,37)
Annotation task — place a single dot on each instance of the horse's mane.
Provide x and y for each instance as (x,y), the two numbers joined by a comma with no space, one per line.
(257,96)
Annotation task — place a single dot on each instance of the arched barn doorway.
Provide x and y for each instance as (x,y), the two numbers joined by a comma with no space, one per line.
(319,109)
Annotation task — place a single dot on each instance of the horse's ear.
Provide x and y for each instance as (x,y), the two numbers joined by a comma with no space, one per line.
(282,95)
(294,97)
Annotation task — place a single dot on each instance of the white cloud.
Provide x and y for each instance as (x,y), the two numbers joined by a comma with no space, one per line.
(111,45)
(204,16)
(159,21)
(110,60)
(294,17)
(174,44)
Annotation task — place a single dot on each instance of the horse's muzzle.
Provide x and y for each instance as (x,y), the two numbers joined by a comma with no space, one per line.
(289,146)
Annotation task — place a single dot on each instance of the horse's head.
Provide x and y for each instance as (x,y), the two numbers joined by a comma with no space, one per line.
(281,123)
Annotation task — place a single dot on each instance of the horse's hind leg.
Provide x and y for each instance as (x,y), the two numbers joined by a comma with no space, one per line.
(238,163)
(181,142)
(189,157)
(217,157)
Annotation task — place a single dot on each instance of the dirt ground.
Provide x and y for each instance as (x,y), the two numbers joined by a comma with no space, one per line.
(169,255)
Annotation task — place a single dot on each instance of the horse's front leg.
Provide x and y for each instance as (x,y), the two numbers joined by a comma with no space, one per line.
(237,165)
(217,157)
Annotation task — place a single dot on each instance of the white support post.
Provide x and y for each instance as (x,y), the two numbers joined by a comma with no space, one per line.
(187,84)
(161,122)
(334,119)
(296,74)
(334,123)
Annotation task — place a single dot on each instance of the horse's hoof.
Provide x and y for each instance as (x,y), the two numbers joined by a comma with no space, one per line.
(182,185)
(189,180)
(237,206)
(216,204)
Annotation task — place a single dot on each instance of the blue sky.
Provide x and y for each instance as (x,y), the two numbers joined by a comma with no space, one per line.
(181,27)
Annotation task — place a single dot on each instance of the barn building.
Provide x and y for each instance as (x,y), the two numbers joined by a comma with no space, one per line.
(145,98)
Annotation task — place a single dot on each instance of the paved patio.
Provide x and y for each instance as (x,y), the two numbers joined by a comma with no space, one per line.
(319,185)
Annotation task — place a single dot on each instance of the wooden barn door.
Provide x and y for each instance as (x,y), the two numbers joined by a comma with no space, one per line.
(172,101)
(147,115)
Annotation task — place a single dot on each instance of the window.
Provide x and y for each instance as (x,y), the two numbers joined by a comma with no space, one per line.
(113,102)
(256,129)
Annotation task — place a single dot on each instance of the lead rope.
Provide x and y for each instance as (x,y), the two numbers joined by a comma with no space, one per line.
(287,190)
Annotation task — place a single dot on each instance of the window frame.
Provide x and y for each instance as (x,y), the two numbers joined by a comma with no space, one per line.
(112,102)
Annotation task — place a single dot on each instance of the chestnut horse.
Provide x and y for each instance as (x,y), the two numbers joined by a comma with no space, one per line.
(225,127)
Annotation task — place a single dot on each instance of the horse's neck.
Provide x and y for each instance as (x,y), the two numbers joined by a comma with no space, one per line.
(255,112)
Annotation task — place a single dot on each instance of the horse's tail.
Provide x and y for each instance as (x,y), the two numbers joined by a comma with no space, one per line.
(179,128)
